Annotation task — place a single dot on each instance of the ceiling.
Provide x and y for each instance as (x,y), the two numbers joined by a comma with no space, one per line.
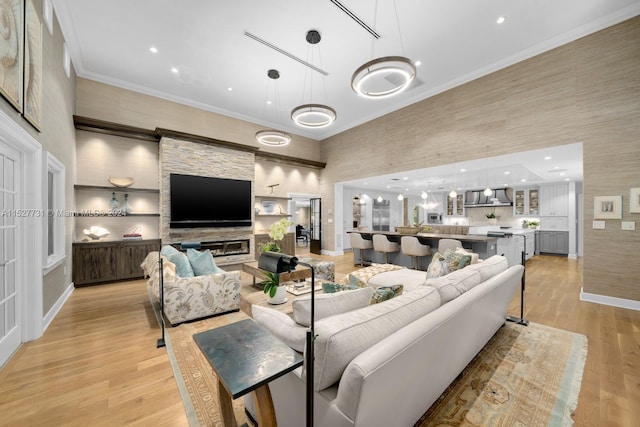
(206,45)
(524,169)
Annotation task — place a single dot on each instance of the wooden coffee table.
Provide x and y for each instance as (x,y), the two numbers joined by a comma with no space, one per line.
(300,273)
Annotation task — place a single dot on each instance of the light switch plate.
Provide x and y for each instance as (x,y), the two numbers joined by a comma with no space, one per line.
(598,225)
(628,225)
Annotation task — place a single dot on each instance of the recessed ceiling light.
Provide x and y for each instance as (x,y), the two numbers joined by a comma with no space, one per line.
(174,70)
(567,179)
(562,174)
(269,102)
(405,178)
(507,173)
(523,180)
(463,170)
(547,158)
(388,186)
(229,88)
(501,19)
(418,63)
(153,49)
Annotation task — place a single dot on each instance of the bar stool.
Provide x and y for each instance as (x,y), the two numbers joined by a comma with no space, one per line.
(382,244)
(410,245)
(360,243)
(445,244)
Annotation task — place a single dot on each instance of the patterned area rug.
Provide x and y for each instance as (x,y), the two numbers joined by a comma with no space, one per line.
(524,376)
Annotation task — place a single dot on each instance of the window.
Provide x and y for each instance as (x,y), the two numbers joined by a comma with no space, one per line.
(54,218)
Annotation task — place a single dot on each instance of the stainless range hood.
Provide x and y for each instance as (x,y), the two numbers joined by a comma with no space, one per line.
(477,199)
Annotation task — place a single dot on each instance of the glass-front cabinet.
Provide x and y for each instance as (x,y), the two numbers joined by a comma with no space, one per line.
(455,205)
(525,201)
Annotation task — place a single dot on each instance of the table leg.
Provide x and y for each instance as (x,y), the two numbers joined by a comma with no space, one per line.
(263,403)
(228,417)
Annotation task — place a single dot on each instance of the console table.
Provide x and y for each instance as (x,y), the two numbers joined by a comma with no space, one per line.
(246,357)
(300,273)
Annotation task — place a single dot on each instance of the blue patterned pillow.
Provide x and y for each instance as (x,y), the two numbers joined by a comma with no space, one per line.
(202,262)
(357,282)
(330,287)
(384,293)
(183,267)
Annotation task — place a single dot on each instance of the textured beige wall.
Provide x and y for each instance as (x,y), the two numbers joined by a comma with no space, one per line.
(100,101)
(586,91)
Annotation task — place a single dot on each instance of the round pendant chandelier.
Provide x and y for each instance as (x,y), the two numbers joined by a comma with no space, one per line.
(313,115)
(383,77)
(270,137)
(273,138)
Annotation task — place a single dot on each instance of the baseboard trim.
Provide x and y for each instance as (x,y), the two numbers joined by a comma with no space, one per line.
(53,312)
(331,253)
(612,301)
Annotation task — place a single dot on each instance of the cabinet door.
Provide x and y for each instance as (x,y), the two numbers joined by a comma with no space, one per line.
(561,200)
(546,242)
(460,205)
(130,257)
(96,262)
(518,202)
(450,203)
(533,201)
(547,200)
(561,242)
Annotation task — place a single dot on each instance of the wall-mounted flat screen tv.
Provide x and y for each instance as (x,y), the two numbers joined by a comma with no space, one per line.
(200,201)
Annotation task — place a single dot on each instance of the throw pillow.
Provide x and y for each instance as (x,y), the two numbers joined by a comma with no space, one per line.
(330,304)
(183,267)
(384,293)
(380,294)
(280,325)
(355,281)
(202,262)
(443,264)
(331,287)
(438,266)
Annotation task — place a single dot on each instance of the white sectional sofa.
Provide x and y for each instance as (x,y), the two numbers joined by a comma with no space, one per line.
(385,364)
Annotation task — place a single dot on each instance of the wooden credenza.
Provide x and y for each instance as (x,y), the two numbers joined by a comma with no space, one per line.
(288,244)
(102,262)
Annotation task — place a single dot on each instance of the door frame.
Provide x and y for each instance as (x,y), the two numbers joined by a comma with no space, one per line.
(29,236)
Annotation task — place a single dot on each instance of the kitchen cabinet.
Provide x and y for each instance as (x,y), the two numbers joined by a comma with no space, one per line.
(455,205)
(526,202)
(512,247)
(554,200)
(553,242)
(102,262)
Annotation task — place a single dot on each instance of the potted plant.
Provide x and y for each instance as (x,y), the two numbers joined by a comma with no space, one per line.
(276,294)
(277,232)
(534,224)
(491,216)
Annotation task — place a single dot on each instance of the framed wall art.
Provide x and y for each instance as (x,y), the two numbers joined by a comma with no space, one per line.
(11,52)
(607,207)
(634,200)
(32,66)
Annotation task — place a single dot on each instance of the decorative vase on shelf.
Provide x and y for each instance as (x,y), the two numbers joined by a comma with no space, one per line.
(127,206)
(113,203)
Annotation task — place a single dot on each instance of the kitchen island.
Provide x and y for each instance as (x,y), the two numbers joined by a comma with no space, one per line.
(484,246)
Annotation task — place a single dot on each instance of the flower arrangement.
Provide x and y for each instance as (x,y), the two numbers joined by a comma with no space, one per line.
(277,232)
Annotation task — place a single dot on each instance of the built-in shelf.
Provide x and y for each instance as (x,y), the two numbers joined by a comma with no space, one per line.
(125,189)
(273,215)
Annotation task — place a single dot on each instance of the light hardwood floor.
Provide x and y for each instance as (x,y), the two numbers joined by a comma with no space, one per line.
(97,363)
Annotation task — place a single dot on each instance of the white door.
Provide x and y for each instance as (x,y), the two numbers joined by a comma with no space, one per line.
(10,315)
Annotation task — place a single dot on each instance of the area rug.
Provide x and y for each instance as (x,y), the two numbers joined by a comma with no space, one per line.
(524,376)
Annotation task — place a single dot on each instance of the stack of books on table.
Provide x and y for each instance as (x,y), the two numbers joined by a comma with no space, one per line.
(132,236)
